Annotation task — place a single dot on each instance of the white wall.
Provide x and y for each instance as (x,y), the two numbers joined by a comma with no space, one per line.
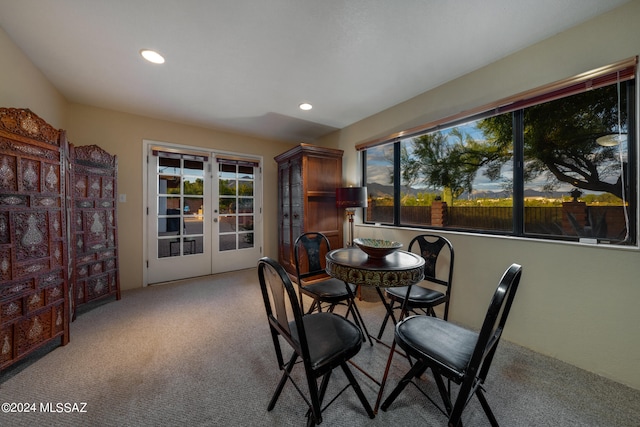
(576,303)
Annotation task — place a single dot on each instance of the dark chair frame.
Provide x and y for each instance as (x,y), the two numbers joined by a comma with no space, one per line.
(424,337)
(423,299)
(323,341)
(309,250)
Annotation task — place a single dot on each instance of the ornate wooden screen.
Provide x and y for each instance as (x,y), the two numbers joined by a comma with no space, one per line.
(34,300)
(93,180)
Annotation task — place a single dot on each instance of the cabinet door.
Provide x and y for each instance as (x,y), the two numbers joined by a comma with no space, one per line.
(297,202)
(284,210)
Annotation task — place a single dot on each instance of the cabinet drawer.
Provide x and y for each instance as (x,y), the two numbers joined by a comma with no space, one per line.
(11,310)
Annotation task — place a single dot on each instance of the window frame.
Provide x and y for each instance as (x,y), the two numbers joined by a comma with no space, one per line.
(602,77)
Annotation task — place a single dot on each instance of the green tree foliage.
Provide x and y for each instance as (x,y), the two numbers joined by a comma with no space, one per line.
(559,144)
(449,162)
(560,139)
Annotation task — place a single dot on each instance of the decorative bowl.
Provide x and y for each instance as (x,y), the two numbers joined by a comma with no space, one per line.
(377,248)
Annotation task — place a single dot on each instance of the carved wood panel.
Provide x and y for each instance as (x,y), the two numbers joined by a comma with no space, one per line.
(34,302)
(93,181)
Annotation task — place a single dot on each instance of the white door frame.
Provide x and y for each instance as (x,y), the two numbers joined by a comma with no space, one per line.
(258,191)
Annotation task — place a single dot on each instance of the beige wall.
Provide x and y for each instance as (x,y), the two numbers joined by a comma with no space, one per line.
(123,134)
(22,85)
(576,303)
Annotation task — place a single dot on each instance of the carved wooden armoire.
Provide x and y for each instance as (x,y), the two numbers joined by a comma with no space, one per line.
(94,240)
(308,176)
(34,300)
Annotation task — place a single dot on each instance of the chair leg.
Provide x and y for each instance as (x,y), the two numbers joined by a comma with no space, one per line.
(444,391)
(415,371)
(315,304)
(357,317)
(358,390)
(389,314)
(485,406)
(461,402)
(283,381)
(315,396)
(384,325)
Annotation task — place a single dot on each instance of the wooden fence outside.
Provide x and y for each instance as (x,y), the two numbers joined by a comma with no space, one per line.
(608,220)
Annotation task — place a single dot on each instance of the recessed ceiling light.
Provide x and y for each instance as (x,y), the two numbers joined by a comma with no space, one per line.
(306,106)
(152,56)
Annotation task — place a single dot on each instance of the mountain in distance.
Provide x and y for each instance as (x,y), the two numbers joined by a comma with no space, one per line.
(386,191)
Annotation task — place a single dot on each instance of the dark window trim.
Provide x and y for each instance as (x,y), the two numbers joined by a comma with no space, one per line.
(518,154)
(603,76)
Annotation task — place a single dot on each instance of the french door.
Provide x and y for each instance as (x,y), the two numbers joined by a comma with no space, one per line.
(203,213)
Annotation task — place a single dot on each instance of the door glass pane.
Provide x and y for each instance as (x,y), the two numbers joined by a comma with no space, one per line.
(246,172)
(227,242)
(246,240)
(245,188)
(169,184)
(193,186)
(194,168)
(236,206)
(245,205)
(179,215)
(168,205)
(168,166)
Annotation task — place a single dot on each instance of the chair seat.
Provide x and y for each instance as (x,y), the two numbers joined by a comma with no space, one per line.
(331,338)
(419,296)
(449,344)
(328,290)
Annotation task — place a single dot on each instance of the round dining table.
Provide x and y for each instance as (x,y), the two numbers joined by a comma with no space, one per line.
(353,265)
(400,268)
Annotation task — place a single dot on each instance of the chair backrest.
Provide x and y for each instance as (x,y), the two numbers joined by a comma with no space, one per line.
(280,300)
(493,324)
(309,252)
(434,248)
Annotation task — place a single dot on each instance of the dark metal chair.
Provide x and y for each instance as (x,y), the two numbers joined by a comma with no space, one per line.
(456,353)
(435,250)
(310,250)
(323,341)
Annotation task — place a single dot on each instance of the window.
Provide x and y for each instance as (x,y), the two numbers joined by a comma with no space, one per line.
(559,165)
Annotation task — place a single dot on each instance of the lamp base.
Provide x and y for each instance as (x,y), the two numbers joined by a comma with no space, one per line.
(350,214)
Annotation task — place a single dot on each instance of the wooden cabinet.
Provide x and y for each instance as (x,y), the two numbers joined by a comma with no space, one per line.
(34,301)
(94,239)
(308,176)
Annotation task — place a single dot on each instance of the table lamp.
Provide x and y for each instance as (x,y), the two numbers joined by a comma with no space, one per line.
(351,198)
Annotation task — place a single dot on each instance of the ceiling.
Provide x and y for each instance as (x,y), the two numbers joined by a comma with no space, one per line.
(246,65)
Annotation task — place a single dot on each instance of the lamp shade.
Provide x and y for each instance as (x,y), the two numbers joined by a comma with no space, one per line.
(351,197)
